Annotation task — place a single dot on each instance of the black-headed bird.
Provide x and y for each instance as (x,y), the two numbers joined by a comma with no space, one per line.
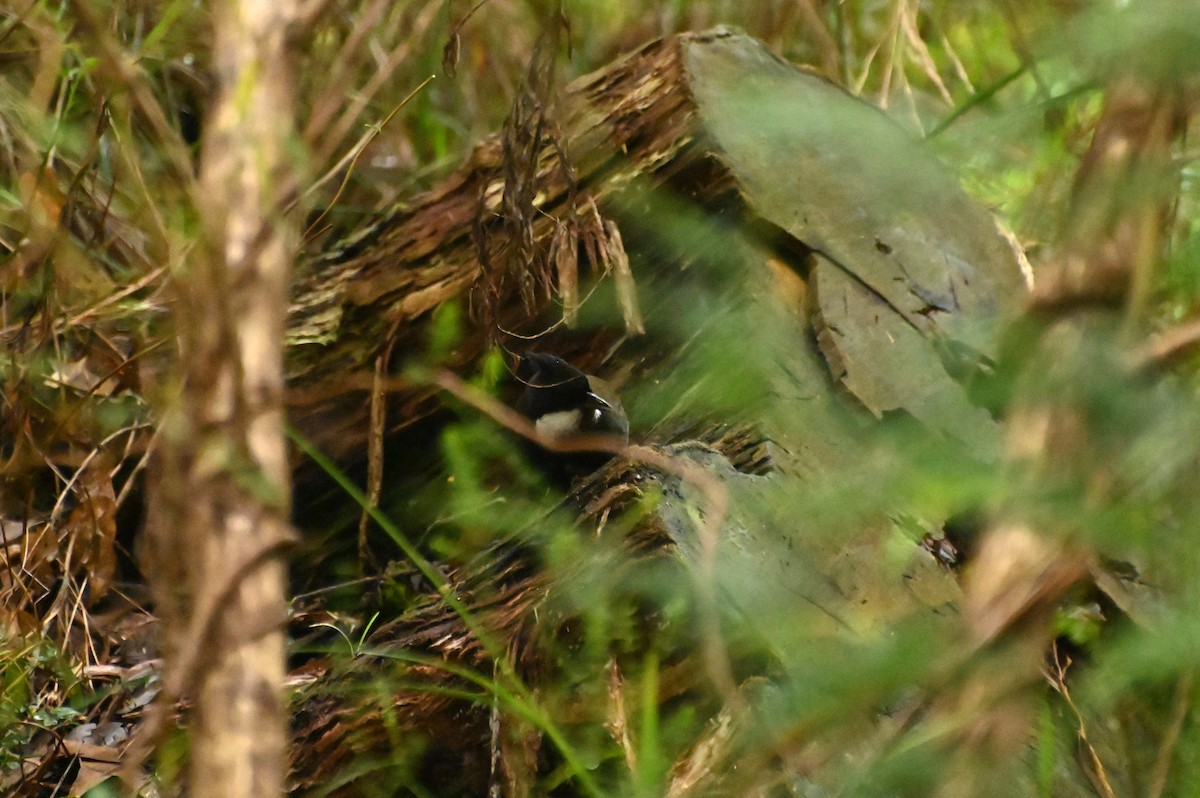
(562,401)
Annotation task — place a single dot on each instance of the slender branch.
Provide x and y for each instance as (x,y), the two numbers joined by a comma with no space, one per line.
(716,657)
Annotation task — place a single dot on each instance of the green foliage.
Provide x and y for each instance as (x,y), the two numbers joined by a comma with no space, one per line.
(445,331)
(864,674)
(40,693)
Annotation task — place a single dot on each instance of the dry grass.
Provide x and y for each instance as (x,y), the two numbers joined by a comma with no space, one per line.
(101,109)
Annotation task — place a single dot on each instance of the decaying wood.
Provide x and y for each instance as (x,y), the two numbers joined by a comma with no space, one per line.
(892,265)
(669,116)
(628,121)
(852,248)
(698,193)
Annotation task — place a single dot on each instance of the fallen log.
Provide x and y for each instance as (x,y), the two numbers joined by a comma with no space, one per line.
(845,264)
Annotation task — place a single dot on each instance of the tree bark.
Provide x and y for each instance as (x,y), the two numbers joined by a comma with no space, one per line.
(220,508)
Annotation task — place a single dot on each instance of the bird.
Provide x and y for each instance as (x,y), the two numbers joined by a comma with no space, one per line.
(562,401)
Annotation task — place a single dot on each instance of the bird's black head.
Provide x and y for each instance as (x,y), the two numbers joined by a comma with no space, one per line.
(551,385)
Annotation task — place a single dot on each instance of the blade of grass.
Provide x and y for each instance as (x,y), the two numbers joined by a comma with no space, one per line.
(520,698)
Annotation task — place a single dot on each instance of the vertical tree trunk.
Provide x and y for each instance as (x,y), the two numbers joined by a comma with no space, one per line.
(221,503)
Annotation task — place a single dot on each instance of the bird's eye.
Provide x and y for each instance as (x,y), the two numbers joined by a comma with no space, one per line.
(596,416)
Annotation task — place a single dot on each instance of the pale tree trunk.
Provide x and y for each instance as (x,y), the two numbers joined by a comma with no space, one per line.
(219,518)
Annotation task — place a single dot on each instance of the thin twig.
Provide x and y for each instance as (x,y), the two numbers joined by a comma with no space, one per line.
(352,103)
(617,722)
(352,157)
(375,438)
(1168,345)
(119,67)
(716,657)
(1098,776)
